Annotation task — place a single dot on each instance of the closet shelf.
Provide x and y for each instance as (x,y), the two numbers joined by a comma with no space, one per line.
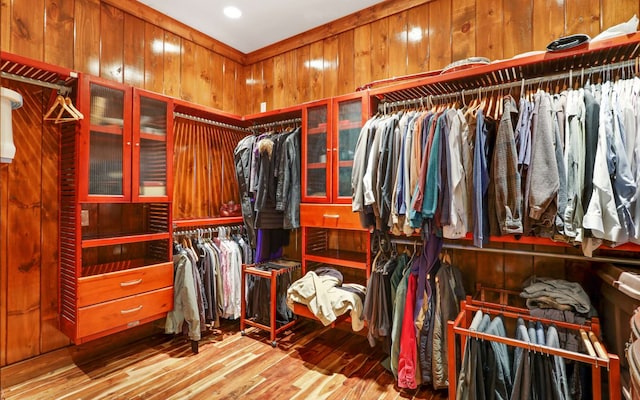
(339,257)
(51,75)
(616,49)
(541,241)
(88,243)
(183,223)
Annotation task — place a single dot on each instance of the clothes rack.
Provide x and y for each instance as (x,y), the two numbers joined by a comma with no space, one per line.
(221,311)
(452,246)
(610,362)
(210,122)
(275,124)
(272,274)
(62,89)
(439,92)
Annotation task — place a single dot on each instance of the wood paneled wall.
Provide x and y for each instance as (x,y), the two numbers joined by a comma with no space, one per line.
(426,37)
(112,40)
(29,203)
(126,42)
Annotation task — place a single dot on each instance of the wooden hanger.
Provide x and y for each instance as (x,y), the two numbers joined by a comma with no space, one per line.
(64,104)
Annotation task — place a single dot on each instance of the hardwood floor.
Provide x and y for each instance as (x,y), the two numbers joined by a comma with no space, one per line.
(309,362)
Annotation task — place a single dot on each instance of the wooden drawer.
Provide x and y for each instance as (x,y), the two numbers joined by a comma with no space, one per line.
(100,288)
(338,216)
(128,311)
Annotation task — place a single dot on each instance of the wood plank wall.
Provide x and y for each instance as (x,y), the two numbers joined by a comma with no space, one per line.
(425,37)
(124,41)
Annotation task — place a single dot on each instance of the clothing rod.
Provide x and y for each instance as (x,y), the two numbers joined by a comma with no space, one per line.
(582,74)
(210,122)
(614,260)
(277,123)
(62,89)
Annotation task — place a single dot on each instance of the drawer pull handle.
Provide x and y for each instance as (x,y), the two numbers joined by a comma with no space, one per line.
(131,283)
(331,215)
(131,310)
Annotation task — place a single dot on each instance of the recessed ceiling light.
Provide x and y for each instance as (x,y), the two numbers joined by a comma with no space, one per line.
(232,12)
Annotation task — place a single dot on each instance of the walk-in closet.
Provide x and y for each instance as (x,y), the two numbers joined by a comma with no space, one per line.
(400,199)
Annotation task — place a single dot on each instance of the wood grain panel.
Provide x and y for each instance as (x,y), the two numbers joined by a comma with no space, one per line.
(24,226)
(548,22)
(254,88)
(330,66)
(490,269)
(517,31)
(51,337)
(58,33)
(463,27)
(303,73)
(189,85)
(380,49)
(154,50)
(398,42)
(418,39)
(214,73)
(134,51)
(439,34)
(547,266)
(466,261)
(27,33)
(111,43)
(362,54)
(291,61)
(171,63)
(583,16)
(230,82)
(490,32)
(346,79)
(242,99)
(517,268)
(5,25)
(177,28)
(316,70)
(86,55)
(280,72)
(267,84)
(369,15)
(617,11)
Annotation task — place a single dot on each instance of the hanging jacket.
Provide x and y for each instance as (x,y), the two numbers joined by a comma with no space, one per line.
(288,189)
(185,300)
(242,155)
(449,293)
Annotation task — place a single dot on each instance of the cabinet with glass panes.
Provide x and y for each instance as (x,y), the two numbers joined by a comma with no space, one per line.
(116,265)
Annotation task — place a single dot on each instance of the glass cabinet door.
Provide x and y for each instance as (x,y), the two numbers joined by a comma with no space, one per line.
(109,145)
(316,158)
(151,162)
(348,124)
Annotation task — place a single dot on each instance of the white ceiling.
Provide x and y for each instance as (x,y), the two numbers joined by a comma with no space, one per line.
(263,22)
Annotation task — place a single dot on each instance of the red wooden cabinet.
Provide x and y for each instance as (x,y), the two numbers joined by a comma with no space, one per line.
(106,140)
(330,131)
(126,149)
(116,268)
(152,150)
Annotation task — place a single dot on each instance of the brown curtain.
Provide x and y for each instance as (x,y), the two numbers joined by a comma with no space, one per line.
(204,172)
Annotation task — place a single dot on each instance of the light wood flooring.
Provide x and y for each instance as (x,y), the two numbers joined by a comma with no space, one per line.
(309,362)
